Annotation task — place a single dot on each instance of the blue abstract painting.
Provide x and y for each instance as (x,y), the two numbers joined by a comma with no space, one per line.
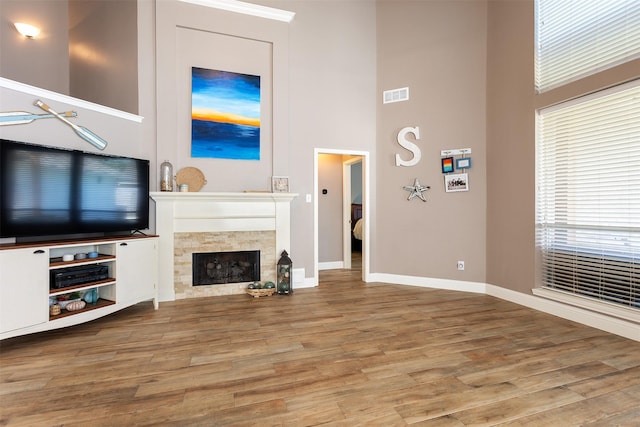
(225,115)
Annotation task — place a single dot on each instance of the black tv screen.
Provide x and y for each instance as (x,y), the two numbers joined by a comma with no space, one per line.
(47,191)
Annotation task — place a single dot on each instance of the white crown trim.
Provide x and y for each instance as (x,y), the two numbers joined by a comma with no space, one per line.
(246,9)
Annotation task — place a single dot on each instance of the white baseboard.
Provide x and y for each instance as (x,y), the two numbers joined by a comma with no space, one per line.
(299,281)
(297,276)
(427,282)
(309,282)
(332,265)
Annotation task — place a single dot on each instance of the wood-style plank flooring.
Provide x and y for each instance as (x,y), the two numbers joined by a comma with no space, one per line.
(341,354)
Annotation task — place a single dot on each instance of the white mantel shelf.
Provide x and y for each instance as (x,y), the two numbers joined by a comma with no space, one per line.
(205,212)
(223,196)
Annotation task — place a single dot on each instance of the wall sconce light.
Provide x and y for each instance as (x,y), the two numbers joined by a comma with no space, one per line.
(27,30)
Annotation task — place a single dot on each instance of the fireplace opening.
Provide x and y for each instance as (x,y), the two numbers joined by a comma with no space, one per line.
(216,268)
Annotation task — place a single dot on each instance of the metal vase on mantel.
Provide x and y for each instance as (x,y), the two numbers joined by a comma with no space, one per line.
(166,176)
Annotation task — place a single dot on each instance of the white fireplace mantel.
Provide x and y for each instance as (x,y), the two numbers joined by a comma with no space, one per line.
(178,212)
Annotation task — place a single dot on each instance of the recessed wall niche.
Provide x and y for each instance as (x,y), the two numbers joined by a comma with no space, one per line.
(87,49)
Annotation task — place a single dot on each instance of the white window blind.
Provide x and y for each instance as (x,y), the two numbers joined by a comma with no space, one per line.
(577,38)
(588,196)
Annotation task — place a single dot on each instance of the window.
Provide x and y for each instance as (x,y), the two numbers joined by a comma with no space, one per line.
(576,38)
(588,197)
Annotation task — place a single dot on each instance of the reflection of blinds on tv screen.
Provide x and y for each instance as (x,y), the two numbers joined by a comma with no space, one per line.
(41,186)
(109,190)
(52,191)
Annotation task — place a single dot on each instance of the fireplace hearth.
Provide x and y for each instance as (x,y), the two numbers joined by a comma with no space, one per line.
(217,268)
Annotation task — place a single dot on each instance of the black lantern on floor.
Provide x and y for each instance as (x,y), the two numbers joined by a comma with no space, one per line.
(284,286)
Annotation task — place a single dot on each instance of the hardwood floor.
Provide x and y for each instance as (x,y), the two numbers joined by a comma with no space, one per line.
(341,354)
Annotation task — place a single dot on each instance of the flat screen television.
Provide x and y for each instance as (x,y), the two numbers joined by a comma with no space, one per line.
(47,191)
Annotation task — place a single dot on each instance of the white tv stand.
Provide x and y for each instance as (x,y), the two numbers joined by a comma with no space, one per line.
(25,289)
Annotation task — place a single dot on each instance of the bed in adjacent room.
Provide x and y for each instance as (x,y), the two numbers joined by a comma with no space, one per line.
(356,227)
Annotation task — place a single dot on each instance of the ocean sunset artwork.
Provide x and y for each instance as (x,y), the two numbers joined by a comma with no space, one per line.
(225,115)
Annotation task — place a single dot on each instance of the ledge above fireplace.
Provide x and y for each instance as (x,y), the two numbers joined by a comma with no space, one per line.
(215,212)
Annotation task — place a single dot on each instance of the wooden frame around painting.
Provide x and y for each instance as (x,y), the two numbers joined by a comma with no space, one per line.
(225,115)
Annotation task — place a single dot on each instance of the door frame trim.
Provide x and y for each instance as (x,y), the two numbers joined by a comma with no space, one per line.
(365,155)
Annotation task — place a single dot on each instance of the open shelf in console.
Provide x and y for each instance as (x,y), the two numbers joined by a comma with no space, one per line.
(100,304)
(105,291)
(57,262)
(82,287)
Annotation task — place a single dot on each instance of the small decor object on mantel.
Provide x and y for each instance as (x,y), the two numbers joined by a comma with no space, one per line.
(416,190)
(166,176)
(192,177)
(280,184)
(284,268)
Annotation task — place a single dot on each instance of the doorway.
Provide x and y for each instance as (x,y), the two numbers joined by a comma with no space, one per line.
(352,211)
(352,159)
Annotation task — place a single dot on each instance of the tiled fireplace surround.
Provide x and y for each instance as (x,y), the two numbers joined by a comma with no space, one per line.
(217,222)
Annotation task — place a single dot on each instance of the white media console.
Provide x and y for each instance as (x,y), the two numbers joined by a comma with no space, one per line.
(26,270)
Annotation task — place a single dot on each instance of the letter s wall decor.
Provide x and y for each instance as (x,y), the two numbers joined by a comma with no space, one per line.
(415,150)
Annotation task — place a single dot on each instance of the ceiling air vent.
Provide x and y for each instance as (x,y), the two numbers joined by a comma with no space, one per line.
(395,95)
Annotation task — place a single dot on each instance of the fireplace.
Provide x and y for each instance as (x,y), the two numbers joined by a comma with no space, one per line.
(186,244)
(216,268)
(200,222)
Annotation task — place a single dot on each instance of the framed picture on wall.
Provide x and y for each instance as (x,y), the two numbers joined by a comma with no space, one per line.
(447,165)
(463,163)
(280,184)
(456,182)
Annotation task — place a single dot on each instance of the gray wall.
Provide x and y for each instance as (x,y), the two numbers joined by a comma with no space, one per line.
(332,69)
(356,183)
(438,50)
(78,53)
(103,64)
(42,62)
(330,208)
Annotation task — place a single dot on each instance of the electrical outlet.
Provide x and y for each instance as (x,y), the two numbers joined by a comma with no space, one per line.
(460,265)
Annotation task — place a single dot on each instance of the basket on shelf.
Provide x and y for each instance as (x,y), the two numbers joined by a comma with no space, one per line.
(257,293)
